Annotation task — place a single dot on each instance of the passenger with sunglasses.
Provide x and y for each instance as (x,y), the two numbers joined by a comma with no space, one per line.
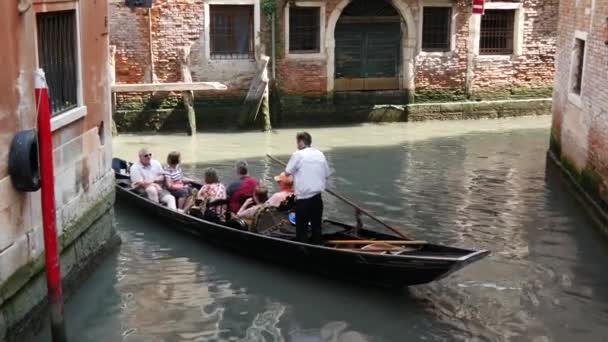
(147,176)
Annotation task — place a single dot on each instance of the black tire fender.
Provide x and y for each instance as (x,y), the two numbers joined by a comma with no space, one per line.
(23,164)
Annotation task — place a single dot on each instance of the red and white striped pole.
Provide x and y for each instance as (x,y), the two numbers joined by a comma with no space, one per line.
(47,184)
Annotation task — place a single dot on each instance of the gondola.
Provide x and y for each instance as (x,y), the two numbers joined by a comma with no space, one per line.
(351,253)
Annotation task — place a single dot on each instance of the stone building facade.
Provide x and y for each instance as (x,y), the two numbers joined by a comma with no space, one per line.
(338,56)
(579,136)
(69,40)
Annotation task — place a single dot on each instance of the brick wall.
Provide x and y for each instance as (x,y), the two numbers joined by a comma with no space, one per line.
(446,72)
(129,33)
(580,126)
(180,23)
(175,24)
(535,67)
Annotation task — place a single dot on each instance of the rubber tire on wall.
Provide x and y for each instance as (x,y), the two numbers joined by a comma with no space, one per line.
(23,164)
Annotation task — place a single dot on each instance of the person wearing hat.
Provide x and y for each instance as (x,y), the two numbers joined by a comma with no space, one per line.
(285,184)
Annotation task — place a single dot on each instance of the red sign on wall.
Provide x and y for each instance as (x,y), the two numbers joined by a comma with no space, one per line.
(478,6)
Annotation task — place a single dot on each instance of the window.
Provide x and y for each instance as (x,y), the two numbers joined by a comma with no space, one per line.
(57,56)
(436,23)
(304,29)
(231,31)
(578,61)
(496,37)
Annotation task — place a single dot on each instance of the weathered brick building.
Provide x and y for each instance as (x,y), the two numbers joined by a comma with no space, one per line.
(336,58)
(579,136)
(69,41)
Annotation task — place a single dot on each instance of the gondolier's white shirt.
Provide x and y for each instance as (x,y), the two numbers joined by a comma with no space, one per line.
(139,172)
(310,171)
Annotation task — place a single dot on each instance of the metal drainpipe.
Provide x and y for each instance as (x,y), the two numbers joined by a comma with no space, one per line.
(274,52)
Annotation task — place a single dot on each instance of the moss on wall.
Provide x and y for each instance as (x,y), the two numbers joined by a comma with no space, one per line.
(439,95)
(511,93)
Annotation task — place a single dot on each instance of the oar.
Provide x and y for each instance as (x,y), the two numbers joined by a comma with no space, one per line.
(352,204)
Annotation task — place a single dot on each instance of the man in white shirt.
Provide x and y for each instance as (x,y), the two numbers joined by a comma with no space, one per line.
(147,175)
(310,171)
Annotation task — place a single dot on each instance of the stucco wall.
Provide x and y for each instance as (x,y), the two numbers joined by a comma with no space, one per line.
(580,124)
(82,144)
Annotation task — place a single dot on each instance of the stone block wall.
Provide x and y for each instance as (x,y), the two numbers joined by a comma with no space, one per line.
(82,153)
(579,138)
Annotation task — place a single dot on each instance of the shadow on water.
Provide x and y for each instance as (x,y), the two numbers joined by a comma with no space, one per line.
(543,281)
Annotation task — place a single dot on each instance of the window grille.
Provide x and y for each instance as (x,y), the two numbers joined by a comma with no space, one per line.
(231,31)
(304,29)
(57,57)
(496,36)
(436,23)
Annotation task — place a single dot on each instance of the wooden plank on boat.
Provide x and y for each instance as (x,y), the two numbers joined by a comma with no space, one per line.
(367,242)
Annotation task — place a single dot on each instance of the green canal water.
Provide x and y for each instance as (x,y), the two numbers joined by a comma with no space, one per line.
(476,184)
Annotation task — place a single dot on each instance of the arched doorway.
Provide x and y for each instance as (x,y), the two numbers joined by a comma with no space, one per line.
(368,38)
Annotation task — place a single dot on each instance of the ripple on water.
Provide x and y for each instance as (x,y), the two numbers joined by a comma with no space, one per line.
(485,187)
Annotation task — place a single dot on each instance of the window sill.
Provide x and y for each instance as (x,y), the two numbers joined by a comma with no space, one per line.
(231,61)
(436,53)
(306,56)
(68,117)
(575,100)
(491,58)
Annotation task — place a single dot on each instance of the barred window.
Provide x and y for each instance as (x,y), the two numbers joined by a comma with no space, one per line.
(304,29)
(577,66)
(496,37)
(436,23)
(58,58)
(231,31)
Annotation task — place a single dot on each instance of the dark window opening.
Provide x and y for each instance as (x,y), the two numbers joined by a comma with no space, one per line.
(57,57)
(577,67)
(231,31)
(436,23)
(304,29)
(496,37)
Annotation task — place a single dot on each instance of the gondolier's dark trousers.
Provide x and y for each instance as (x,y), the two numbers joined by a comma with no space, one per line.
(309,210)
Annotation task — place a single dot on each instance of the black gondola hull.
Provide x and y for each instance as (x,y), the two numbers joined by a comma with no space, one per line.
(433,263)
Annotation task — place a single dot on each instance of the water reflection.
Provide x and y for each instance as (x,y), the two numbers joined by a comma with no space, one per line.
(490,189)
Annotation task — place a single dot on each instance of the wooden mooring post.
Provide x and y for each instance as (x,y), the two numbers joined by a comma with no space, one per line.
(188,95)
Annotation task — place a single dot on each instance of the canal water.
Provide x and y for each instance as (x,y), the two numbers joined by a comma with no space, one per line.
(475,184)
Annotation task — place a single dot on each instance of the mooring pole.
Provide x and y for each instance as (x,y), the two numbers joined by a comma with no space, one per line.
(45,153)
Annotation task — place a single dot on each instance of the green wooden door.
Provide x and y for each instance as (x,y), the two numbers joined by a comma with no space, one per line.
(367,56)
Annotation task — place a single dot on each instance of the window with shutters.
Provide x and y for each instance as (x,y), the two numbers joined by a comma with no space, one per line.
(231,31)
(304,29)
(57,56)
(497,32)
(436,24)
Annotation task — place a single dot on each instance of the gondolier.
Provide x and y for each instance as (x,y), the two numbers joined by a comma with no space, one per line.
(310,171)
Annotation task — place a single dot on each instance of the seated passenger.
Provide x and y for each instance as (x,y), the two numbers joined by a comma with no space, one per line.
(251,206)
(211,191)
(147,176)
(241,189)
(285,184)
(175,181)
